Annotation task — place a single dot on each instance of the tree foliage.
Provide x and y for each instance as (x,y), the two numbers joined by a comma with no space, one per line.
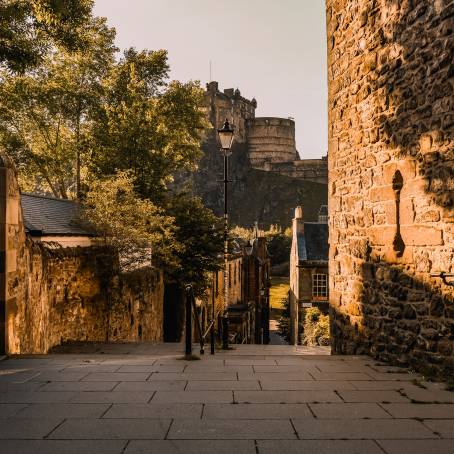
(44,114)
(29,28)
(112,133)
(201,240)
(146,125)
(137,228)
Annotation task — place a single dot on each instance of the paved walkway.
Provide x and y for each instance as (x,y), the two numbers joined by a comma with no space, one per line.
(275,337)
(254,399)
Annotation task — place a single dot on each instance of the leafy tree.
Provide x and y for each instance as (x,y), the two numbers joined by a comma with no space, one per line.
(147,126)
(30,28)
(279,245)
(44,114)
(137,228)
(201,240)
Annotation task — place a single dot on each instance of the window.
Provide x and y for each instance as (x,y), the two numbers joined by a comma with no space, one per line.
(320,286)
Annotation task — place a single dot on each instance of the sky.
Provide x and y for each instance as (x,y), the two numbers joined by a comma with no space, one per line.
(273,50)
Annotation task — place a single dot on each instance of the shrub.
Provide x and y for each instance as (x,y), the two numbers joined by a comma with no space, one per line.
(315,327)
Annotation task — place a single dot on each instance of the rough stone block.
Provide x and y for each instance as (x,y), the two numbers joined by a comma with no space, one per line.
(416,235)
(381,193)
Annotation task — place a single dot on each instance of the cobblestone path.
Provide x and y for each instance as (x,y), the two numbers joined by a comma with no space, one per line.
(254,399)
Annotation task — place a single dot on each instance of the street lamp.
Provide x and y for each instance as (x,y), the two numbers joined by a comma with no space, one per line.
(249,247)
(225,135)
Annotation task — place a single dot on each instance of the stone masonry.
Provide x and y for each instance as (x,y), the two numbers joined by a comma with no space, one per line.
(270,141)
(52,295)
(391,167)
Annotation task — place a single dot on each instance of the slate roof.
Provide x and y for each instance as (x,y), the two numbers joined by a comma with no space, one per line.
(47,216)
(313,243)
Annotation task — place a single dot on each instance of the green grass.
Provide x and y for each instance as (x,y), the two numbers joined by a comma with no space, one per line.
(278,291)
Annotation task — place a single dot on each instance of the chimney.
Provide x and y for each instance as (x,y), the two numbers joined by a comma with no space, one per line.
(298,221)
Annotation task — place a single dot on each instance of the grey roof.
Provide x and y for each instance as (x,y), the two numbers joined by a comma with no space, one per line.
(46,216)
(313,243)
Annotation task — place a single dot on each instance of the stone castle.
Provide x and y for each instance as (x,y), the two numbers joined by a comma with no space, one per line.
(270,141)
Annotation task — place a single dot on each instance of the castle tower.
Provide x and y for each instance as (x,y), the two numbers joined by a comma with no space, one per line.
(231,105)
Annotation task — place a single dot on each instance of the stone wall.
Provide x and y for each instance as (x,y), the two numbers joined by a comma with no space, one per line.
(391,167)
(315,170)
(52,295)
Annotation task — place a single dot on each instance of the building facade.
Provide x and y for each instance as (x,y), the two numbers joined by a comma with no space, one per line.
(308,269)
(248,294)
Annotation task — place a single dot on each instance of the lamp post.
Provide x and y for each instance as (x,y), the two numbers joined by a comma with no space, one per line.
(225,135)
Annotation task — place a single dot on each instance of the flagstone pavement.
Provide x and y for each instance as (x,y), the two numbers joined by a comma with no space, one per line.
(142,398)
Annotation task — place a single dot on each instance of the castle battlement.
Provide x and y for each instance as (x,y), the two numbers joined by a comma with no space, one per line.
(270,141)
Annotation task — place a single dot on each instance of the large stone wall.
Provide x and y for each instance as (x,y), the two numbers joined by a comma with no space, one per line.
(52,295)
(391,167)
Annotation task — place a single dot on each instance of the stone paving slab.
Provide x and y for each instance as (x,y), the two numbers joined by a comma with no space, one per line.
(112,429)
(35,397)
(250,361)
(59,376)
(62,446)
(377,429)
(193,376)
(340,376)
(190,397)
(417,446)
(92,368)
(228,429)
(191,447)
(117,376)
(8,410)
(394,376)
(286,397)
(63,411)
(349,411)
(372,385)
(423,411)
(269,376)
(319,447)
(27,428)
(154,385)
(278,369)
(137,368)
(200,385)
(22,387)
(443,427)
(79,386)
(155,411)
(297,385)
(256,411)
(429,395)
(118,397)
(372,396)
